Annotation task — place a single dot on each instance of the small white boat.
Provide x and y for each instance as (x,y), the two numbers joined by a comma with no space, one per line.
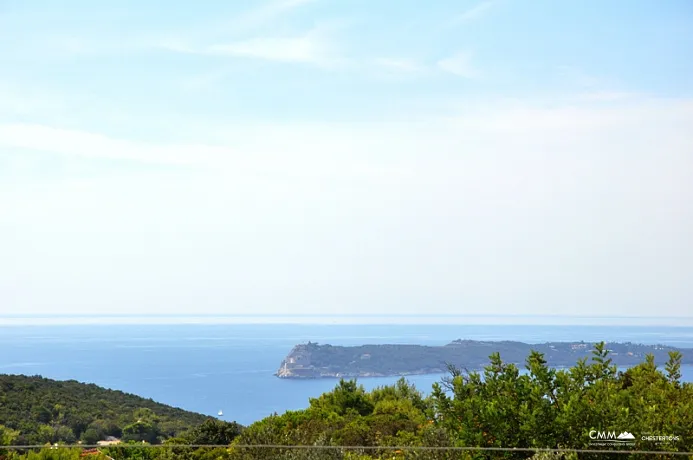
(220,413)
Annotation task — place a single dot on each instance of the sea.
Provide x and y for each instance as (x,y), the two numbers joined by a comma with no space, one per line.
(206,368)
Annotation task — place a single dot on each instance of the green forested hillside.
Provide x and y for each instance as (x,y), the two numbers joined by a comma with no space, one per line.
(319,361)
(44,410)
(495,408)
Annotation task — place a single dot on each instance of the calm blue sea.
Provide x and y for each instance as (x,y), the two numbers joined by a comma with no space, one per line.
(205,368)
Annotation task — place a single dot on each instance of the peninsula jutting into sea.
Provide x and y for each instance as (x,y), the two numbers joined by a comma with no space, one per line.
(311,360)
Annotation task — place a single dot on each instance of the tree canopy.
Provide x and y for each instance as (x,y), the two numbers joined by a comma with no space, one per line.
(42,410)
(499,407)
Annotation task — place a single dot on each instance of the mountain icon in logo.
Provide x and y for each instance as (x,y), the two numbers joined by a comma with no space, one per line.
(626,435)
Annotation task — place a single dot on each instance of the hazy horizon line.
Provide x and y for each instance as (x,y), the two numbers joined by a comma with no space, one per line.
(327,315)
(345,319)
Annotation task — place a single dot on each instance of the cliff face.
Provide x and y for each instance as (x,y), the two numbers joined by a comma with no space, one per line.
(297,364)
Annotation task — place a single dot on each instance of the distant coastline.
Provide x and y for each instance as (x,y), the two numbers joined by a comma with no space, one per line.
(314,361)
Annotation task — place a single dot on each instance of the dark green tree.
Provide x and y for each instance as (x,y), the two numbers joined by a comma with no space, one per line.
(90,436)
(141,431)
(214,432)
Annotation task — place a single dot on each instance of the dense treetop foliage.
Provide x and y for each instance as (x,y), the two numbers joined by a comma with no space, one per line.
(544,408)
(43,410)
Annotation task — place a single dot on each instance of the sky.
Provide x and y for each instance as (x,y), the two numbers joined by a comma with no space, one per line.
(278,157)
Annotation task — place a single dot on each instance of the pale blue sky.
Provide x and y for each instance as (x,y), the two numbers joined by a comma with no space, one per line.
(498,156)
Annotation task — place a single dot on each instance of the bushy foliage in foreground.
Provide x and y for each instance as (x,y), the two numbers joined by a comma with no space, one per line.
(498,407)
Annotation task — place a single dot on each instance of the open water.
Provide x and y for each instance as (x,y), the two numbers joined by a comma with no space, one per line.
(206,367)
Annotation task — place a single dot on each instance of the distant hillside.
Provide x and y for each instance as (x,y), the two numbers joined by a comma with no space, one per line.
(45,410)
(307,361)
